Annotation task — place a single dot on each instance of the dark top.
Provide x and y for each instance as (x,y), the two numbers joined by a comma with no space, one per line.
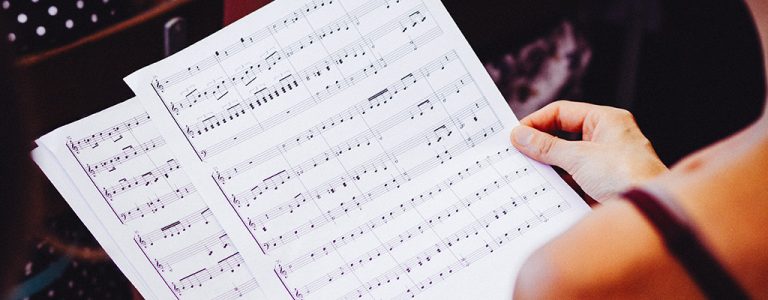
(682,243)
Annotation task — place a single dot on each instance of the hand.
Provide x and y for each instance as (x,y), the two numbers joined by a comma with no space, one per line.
(612,155)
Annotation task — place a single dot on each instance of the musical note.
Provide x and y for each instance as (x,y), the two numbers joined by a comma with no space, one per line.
(150,177)
(308,135)
(415,232)
(356,201)
(177,227)
(373,163)
(152,206)
(428,255)
(244,43)
(307,74)
(127,154)
(240,290)
(214,242)
(407,206)
(479,253)
(278,118)
(161,194)
(197,279)
(340,135)
(93,140)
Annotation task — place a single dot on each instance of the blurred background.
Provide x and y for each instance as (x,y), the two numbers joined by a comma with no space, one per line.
(689,70)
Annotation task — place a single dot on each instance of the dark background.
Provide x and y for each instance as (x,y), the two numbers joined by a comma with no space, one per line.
(690,70)
(698,72)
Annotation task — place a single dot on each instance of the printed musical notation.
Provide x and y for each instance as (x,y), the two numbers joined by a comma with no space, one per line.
(274,28)
(403,208)
(441,248)
(273,182)
(360,54)
(377,100)
(207,247)
(114,133)
(176,228)
(134,174)
(109,164)
(159,203)
(248,73)
(226,265)
(424,228)
(357,146)
(145,179)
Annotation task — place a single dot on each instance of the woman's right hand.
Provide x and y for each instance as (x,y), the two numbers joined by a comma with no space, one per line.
(612,155)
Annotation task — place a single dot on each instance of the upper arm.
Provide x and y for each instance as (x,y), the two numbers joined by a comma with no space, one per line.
(612,253)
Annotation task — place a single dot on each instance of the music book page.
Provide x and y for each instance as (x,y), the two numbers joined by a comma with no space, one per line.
(50,166)
(351,149)
(135,196)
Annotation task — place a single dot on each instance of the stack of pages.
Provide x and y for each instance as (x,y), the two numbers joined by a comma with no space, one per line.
(314,149)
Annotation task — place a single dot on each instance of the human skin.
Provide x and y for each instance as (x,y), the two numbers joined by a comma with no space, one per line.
(614,252)
(611,156)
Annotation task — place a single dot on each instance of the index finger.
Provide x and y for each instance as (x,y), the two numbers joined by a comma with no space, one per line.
(562,115)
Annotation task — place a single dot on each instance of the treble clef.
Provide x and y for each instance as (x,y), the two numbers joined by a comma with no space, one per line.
(159,265)
(158,86)
(281,271)
(73,146)
(220,178)
(140,240)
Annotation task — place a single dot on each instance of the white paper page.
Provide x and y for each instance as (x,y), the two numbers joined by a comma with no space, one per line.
(58,176)
(144,200)
(357,148)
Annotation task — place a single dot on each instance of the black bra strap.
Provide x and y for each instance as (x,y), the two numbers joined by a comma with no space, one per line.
(681,241)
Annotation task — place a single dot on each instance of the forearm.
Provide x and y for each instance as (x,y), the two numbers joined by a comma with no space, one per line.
(614,252)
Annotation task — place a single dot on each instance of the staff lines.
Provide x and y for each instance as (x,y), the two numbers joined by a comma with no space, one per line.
(114,131)
(154,205)
(281,53)
(482,251)
(259,35)
(363,168)
(306,104)
(371,133)
(427,224)
(218,119)
(465,233)
(129,152)
(376,191)
(400,209)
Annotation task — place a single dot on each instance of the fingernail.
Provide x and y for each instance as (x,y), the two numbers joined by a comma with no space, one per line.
(523,135)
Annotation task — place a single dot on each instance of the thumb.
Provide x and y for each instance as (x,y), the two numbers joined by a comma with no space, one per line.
(546,148)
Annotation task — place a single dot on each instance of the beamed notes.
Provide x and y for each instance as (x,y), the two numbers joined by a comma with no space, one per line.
(152,211)
(314,149)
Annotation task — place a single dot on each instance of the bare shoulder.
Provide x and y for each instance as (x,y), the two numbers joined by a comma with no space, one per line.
(613,252)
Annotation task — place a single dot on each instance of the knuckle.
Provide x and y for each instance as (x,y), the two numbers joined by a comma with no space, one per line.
(547,146)
(647,145)
(623,114)
(558,103)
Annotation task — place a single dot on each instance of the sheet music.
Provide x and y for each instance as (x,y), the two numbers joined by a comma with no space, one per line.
(357,148)
(140,194)
(49,164)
